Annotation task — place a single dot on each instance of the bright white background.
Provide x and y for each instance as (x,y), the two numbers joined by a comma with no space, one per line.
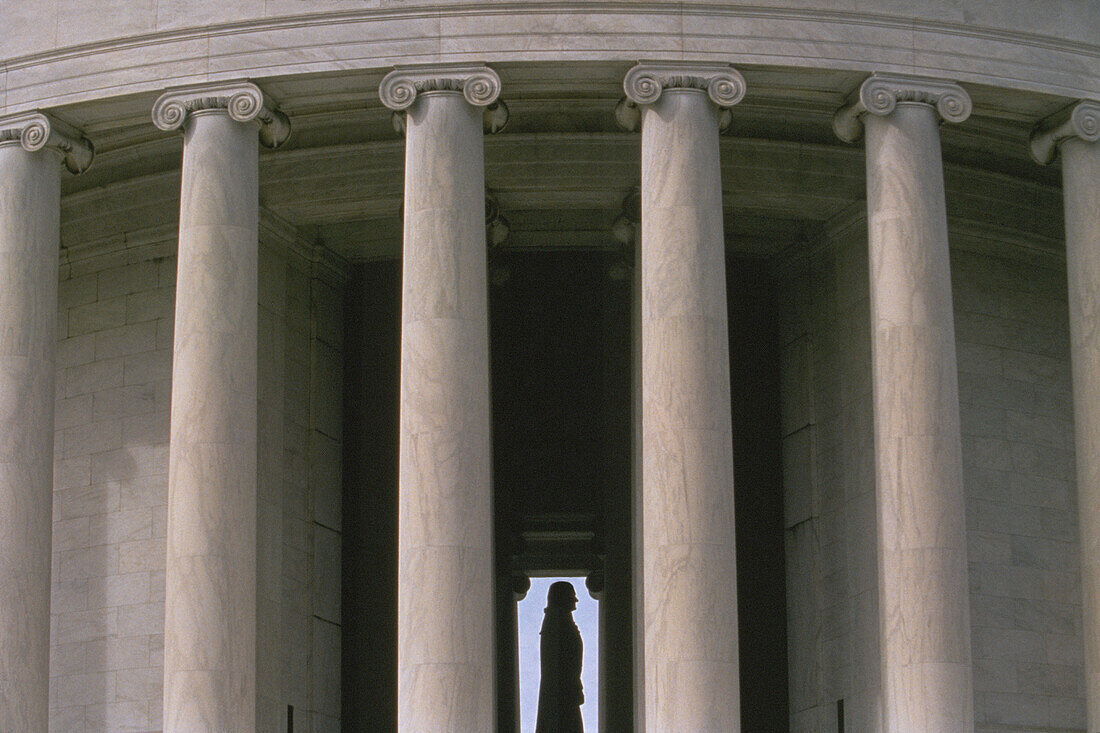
(531,611)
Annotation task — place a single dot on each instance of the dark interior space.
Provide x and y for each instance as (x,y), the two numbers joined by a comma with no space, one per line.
(560,337)
(547,354)
(559,330)
(758,494)
(369,572)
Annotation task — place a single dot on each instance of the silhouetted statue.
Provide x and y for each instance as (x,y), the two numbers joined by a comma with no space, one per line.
(560,651)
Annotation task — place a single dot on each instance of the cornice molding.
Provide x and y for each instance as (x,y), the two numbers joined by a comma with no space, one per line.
(243,101)
(1082,121)
(80,252)
(880,94)
(36,131)
(1018,56)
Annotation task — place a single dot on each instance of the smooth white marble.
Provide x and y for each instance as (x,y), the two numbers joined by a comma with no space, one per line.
(445,610)
(994,42)
(210,602)
(924,607)
(688,543)
(29,206)
(1077,141)
(31,157)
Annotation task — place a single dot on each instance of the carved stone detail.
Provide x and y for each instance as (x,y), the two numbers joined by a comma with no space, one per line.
(479,84)
(497,227)
(1083,121)
(243,101)
(628,115)
(37,131)
(625,227)
(645,82)
(880,94)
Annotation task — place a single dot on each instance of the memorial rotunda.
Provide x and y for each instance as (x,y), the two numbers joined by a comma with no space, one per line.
(324,327)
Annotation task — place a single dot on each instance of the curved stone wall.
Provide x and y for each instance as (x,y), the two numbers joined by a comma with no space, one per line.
(792,197)
(69,51)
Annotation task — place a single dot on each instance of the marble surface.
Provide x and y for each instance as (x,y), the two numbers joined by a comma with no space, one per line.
(30,193)
(1012,351)
(923,582)
(688,549)
(66,51)
(210,601)
(1081,176)
(445,548)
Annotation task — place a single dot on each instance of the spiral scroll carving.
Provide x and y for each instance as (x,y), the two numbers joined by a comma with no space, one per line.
(397,92)
(1086,121)
(1083,121)
(726,89)
(245,105)
(36,134)
(954,105)
(642,86)
(645,83)
(36,131)
(480,85)
(169,113)
(881,93)
(878,96)
(481,89)
(242,101)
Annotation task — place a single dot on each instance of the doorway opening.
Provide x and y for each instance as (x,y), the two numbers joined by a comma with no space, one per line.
(587,617)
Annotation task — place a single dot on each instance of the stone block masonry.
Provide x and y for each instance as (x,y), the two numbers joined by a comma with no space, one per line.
(111,483)
(110,489)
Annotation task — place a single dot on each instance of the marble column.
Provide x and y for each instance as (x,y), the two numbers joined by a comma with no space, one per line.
(32,150)
(924,602)
(445,626)
(210,601)
(1077,137)
(688,552)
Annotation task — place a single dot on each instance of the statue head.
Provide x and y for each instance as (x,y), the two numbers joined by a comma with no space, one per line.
(562,596)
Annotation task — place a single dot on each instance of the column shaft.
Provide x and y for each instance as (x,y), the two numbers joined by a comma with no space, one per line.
(1081,182)
(688,550)
(445,555)
(29,241)
(637,495)
(210,616)
(924,602)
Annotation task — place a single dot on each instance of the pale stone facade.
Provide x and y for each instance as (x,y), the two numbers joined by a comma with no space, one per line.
(781,327)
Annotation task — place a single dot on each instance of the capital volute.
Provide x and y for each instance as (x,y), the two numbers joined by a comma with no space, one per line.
(880,94)
(478,83)
(1082,121)
(646,82)
(37,131)
(243,101)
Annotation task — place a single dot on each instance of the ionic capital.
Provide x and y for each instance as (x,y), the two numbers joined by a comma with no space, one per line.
(37,131)
(243,101)
(645,82)
(880,94)
(478,83)
(1083,121)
